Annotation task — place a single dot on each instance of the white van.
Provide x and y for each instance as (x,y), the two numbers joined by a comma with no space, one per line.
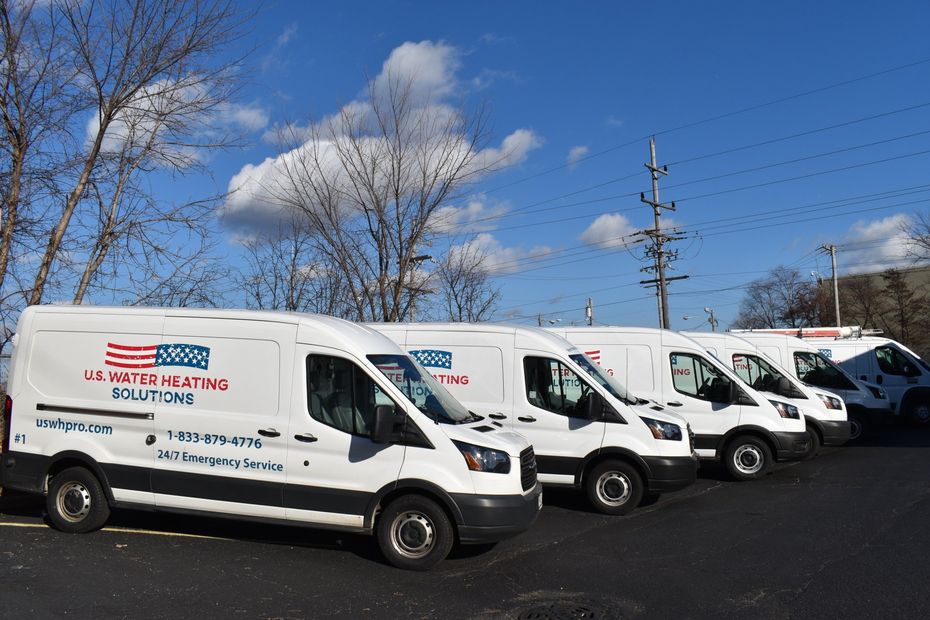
(824,412)
(867,405)
(903,375)
(294,418)
(586,430)
(731,421)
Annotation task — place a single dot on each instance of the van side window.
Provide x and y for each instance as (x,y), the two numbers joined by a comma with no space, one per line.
(893,362)
(552,386)
(696,377)
(342,395)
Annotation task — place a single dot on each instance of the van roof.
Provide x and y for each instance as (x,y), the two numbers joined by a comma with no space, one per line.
(668,336)
(364,338)
(524,333)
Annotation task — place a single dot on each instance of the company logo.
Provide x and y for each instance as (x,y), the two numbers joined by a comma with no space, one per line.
(827,353)
(152,356)
(595,356)
(432,358)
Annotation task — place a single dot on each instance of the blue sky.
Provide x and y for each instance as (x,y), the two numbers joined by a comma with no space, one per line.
(592,81)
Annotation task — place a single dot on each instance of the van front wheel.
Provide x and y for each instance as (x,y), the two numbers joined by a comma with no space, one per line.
(614,487)
(748,458)
(76,502)
(414,533)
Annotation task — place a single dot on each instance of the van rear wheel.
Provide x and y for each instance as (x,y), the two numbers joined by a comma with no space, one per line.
(748,458)
(614,487)
(76,502)
(414,533)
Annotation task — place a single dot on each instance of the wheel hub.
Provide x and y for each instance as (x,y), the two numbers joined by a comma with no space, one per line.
(748,459)
(412,534)
(74,501)
(614,488)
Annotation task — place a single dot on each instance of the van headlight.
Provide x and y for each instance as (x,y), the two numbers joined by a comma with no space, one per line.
(479,458)
(877,392)
(830,402)
(785,410)
(663,430)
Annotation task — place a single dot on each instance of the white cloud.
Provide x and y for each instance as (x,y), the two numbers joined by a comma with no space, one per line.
(476,216)
(513,150)
(575,154)
(875,245)
(613,121)
(497,258)
(250,117)
(487,77)
(285,37)
(430,69)
(610,230)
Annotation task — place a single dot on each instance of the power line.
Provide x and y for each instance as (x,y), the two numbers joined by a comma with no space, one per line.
(712,119)
(521,210)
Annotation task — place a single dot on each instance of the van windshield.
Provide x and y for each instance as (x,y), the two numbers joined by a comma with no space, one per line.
(422,389)
(616,389)
(814,369)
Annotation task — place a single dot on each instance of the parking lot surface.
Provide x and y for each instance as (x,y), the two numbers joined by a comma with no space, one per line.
(845,535)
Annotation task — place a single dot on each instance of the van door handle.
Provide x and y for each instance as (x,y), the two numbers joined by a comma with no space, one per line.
(268,432)
(306,438)
(497,416)
(674,403)
(864,377)
(526,418)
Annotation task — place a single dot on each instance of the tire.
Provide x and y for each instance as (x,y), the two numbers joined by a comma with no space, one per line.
(414,533)
(858,425)
(748,458)
(76,502)
(614,487)
(814,449)
(919,413)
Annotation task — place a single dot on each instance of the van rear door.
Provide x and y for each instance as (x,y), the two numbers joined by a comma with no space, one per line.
(221,425)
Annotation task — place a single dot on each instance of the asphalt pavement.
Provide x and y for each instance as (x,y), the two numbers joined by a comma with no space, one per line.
(846,535)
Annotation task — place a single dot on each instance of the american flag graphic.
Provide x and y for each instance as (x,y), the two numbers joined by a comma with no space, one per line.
(595,356)
(151,356)
(431,358)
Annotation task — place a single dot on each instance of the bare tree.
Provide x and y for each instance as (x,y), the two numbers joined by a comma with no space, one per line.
(464,285)
(781,299)
(148,70)
(917,231)
(369,182)
(285,271)
(34,108)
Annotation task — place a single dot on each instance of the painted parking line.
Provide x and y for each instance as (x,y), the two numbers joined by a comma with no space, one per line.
(122,530)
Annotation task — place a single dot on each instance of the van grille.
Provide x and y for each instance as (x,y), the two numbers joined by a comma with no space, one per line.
(528,469)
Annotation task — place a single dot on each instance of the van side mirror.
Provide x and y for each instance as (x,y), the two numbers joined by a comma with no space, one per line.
(594,407)
(738,396)
(382,428)
(784,388)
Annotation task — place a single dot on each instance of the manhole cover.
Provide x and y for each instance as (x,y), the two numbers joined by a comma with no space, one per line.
(565,611)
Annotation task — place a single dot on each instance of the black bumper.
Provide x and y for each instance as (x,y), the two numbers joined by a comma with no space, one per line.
(791,446)
(490,518)
(23,471)
(835,433)
(670,473)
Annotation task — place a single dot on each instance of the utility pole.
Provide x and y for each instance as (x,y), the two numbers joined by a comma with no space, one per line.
(589,312)
(657,252)
(831,249)
(711,319)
